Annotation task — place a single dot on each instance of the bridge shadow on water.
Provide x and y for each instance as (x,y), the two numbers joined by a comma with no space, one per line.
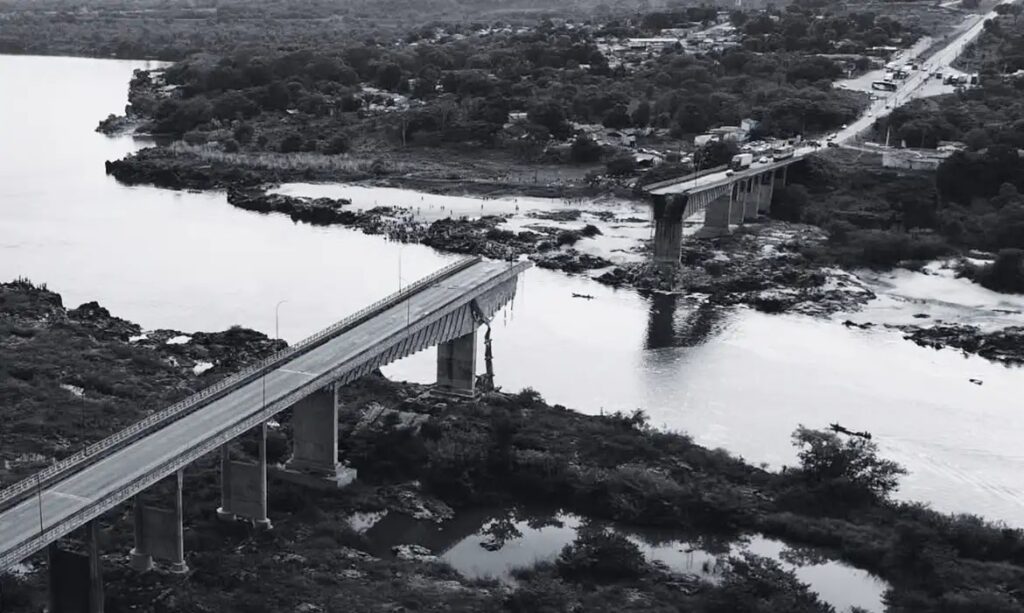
(676,321)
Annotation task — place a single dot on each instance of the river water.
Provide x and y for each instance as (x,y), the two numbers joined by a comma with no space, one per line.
(737,379)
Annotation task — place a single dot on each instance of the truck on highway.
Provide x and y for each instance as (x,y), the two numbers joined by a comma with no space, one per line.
(782,153)
(741,161)
(887,86)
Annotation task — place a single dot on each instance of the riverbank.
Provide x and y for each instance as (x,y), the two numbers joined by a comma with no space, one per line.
(429,457)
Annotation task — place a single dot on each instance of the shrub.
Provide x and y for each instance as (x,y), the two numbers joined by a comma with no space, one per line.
(1006,274)
(844,470)
(601,555)
(621,166)
(338,145)
(291,143)
(584,150)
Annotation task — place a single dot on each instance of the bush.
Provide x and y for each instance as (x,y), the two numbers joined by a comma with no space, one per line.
(584,150)
(243,133)
(230,145)
(1006,274)
(848,470)
(338,145)
(601,555)
(291,143)
(621,166)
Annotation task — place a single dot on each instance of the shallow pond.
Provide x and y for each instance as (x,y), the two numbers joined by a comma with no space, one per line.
(469,544)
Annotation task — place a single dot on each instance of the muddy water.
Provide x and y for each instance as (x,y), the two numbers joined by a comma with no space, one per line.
(731,378)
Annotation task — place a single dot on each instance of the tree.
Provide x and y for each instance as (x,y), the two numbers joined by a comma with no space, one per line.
(617,118)
(642,115)
(849,469)
(584,150)
(389,76)
(716,153)
(551,115)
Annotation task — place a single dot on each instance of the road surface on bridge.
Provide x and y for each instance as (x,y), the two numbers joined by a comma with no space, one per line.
(65,498)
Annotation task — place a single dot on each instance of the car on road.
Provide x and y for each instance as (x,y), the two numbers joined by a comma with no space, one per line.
(833,143)
(763,160)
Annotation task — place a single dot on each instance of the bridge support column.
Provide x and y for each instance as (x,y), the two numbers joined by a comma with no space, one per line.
(716,216)
(76,579)
(244,485)
(314,460)
(159,533)
(456,365)
(315,433)
(750,207)
(738,201)
(668,227)
(764,204)
(779,178)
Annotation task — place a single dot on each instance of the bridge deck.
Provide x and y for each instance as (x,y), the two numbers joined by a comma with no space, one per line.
(103,479)
(689,185)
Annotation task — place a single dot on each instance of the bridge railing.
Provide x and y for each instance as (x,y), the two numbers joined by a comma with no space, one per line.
(223,386)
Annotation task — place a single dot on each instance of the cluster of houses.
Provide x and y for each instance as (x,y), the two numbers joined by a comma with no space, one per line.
(631,53)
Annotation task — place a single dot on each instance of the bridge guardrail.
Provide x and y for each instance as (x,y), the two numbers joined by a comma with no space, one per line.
(228,383)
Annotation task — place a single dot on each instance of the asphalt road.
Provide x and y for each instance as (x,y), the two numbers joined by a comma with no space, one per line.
(917,84)
(104,478)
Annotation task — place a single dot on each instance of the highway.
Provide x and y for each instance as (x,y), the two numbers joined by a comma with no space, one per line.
(913,86)
(107,476)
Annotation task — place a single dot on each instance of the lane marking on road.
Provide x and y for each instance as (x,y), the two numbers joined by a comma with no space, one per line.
(74,497)
(296,372)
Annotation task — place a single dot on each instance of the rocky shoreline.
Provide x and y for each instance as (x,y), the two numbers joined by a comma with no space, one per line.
(1005,345)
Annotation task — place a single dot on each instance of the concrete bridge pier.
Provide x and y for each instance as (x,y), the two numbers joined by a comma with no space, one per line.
(243,485)
(753,203)
(76,579)
(716,216)
(764,203)
(779,177)
(159,533)
(314,458)
(456,365)
(738,202)
(668,227)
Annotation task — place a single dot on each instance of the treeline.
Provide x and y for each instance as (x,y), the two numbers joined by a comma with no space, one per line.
(813,30)
(170,30)
(462,89)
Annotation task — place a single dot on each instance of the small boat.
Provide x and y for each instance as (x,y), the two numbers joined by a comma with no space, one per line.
(584,296)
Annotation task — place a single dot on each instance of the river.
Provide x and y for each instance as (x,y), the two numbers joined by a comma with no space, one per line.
(737,379)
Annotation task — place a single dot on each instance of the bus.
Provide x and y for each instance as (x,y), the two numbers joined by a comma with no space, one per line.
(782,152)
(887,86)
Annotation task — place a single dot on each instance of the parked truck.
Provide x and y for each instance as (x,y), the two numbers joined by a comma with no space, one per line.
(741,161)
